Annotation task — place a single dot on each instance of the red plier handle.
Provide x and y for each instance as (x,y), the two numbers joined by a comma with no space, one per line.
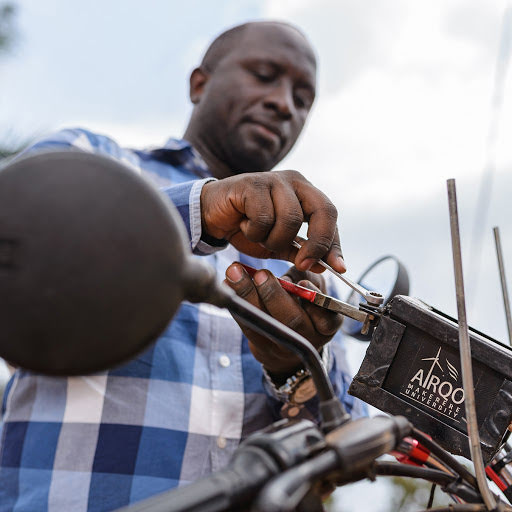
(322,300)
(294,289)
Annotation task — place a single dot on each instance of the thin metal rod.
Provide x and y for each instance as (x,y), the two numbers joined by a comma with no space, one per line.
(465,353)
(371,297)
(501,266)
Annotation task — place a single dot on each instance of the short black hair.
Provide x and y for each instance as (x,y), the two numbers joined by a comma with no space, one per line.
(226,41)
(221,46)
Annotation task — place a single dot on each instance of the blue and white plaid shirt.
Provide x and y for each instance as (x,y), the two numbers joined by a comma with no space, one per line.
(172,415)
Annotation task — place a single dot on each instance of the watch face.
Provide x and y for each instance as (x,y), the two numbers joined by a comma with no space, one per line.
(304,391)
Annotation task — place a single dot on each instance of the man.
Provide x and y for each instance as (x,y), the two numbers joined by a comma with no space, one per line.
(178,411)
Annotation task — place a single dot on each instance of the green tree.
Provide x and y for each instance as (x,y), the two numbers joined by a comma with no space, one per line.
(409,494)
(7,26)
(9,143)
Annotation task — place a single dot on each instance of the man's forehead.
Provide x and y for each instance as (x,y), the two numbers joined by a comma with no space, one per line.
(276,43)
(273,37)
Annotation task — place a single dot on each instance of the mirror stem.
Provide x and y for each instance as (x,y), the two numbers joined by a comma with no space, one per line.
(332,412)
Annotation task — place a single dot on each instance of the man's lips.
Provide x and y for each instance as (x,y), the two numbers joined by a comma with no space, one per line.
(268,130)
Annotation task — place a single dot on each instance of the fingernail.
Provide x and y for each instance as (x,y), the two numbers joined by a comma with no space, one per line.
(234,273)
(341,263)
(260,277)
(308,263)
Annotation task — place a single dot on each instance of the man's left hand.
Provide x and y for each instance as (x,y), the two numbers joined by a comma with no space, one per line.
(316,324)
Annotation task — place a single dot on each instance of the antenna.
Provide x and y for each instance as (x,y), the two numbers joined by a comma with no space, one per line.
(465,353)
(486,182)
(501,266)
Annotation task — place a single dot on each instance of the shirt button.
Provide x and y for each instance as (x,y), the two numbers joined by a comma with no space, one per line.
(221,442)
(224,361)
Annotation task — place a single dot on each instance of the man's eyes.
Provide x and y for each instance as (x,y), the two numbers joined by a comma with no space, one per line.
(264,73)
(303,99)
(302,96)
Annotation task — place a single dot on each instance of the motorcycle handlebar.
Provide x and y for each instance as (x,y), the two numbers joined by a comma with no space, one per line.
(351,449)
(262,456)
(224,490)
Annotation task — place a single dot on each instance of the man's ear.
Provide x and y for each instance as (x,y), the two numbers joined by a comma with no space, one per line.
(198,80)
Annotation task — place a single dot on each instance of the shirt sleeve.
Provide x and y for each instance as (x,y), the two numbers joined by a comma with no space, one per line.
(185,196)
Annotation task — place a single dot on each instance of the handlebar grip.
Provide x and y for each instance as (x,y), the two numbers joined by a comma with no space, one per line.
(259,458)
(225,490)
(360,442)
(351,449)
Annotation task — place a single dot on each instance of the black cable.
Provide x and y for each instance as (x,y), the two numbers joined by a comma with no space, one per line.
(449,483)
(460,507)
(396,469)
(445,457)
(431,497)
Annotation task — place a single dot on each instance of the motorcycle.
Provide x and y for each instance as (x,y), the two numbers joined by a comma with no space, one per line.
(294,462)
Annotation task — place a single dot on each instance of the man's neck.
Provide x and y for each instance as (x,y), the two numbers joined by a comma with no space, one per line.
(217,168)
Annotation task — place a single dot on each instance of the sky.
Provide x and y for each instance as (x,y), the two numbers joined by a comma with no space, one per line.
(406,100)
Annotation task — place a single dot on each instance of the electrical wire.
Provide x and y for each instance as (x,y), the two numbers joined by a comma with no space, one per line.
(450,484)
(445,457)
(465,507)
(431,497)
(385,468)
(435,463)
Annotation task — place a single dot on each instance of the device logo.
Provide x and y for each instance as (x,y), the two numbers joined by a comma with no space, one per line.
(435,387)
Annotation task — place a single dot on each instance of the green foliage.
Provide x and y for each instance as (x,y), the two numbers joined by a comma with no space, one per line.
(9,145)
(7,27)
(409,494)
(394,494)
(12,143)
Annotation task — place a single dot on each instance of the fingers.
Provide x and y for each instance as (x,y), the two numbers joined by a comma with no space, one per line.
(274,213)
(335,255)
(288,218)
(295,275)
(323,237)
(271,355)
(316,324)
(240,281)
(326,322)
(259,210)
(261,214)
(283,306)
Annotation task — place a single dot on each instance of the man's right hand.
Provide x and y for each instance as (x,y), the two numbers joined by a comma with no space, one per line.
(261,213)
(317,325)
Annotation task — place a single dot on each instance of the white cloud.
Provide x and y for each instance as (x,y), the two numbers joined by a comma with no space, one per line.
(134,135)
(348,35)
(410,109)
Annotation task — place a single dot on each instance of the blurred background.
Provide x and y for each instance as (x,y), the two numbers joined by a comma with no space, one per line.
(410,94)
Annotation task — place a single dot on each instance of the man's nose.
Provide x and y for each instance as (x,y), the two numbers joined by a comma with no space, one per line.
(280,99)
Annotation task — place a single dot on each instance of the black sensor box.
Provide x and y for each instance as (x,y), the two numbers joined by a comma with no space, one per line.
(412,368)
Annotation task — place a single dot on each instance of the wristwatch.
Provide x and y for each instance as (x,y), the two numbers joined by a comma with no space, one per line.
(297,389)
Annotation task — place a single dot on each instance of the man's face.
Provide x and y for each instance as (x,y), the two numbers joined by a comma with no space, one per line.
(256,100)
